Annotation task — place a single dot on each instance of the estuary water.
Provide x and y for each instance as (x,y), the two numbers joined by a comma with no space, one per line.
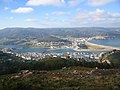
(108,42)
(23,49)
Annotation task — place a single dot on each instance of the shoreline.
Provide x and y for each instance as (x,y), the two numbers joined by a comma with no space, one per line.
(91,47)
(97,46)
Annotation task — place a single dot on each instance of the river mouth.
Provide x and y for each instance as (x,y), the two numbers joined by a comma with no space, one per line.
(20,49)
(107,42)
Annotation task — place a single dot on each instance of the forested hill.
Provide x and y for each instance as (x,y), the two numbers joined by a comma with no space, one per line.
(52,38)
(46,32)
(57,74)
(10,64)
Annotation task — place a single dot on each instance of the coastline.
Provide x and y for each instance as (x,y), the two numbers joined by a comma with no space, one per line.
(91,47)
(97,46)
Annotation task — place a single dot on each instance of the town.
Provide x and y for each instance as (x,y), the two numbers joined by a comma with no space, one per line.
(85,54)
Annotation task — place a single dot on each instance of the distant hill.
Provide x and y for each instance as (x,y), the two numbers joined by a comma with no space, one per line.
(46,32)
(53,39)
(22,33)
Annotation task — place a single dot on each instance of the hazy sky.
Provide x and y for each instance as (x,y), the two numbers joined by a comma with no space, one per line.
(59,13)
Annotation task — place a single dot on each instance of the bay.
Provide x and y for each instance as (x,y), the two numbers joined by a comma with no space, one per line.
(108,42)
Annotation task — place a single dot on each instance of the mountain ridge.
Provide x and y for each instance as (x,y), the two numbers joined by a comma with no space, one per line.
(46,32)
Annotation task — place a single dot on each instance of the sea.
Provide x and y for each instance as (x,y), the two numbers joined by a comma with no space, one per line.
(108,42)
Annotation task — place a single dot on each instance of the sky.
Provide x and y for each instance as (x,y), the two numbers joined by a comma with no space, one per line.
(59,13)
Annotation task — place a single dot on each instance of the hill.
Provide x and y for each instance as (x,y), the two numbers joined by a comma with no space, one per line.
(56,74)
(46,32)
(10,64)
(72,78)
(22,33)
(52,38)
(112,56)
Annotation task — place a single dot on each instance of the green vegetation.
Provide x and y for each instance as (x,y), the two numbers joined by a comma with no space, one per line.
(57,74)
(83,46)
(53,39)
(113,57)
(11,64)
(75,78)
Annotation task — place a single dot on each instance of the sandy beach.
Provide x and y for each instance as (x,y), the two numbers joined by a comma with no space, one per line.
(97,46)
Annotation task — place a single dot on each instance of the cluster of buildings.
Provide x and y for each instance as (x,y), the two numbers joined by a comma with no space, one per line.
(88,56)
(73,55)
(51,45)
(76,44)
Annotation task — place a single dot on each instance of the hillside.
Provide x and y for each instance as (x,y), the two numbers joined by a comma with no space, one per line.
(75,78)
(10,64)
(52,38)
(22,33)
(46,32)
(112,56)
(56,74)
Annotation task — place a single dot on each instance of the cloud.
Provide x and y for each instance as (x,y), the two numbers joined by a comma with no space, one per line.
(68,2)
(22,10)
(89,2)
(74,2)
(95,18)
(6,8)
(53,2)
(31,20)
(99,2)
(45,2)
